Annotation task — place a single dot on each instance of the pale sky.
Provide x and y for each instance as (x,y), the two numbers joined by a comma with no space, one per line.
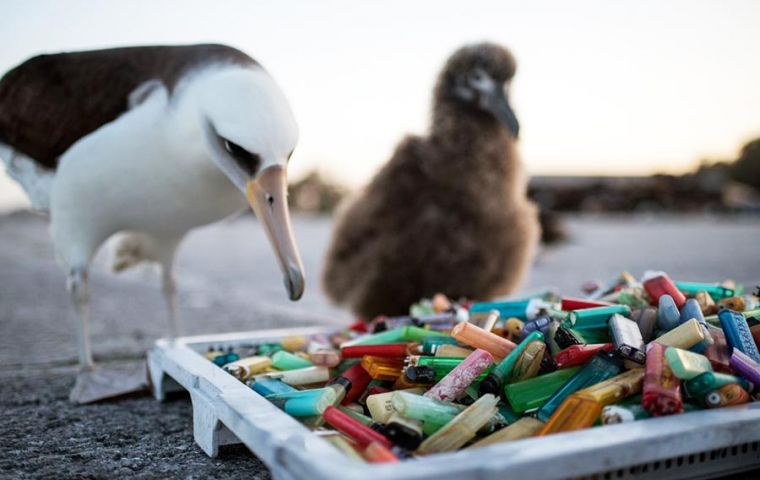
(603,87)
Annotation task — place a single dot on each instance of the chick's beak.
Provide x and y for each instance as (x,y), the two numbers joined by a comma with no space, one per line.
(267,195)
(498,103)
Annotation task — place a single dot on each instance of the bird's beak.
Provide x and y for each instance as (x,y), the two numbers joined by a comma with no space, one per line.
(267,195)
(498,105)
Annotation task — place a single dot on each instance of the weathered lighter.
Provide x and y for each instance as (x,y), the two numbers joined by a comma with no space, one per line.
(685,364)
(746,367)
(737,333)
(284,360)
(691,309)
(627,338)
(668,316)
(684,336)
(390,350)
(582,408)
(716,291)
(352,381)
(462,428)
(358,432)
(383,368)
(727,396)
(430,345)
(299,376)
(528,362)
(494,381)
(247,367)
(532,393)
(700,386)
(526,309)
(662,389)
(580,354)
(602,366)
(597,317)
(453,385)
(523,428)
(497,346)
(658,284)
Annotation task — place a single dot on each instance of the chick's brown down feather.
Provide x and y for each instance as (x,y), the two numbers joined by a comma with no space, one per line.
(448,213)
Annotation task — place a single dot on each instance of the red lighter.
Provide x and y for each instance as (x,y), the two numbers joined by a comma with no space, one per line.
(662,389)
(658,284)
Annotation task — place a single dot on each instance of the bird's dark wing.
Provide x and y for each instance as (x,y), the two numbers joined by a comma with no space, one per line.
(50,101)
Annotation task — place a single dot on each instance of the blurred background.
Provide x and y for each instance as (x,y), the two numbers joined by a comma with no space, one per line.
(639,122)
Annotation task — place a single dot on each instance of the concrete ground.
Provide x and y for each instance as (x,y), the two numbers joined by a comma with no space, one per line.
(229,281)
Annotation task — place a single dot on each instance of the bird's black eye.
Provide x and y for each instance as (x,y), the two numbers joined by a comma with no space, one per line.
(248,161)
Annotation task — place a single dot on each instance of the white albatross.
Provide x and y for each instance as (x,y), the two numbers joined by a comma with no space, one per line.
(151,141)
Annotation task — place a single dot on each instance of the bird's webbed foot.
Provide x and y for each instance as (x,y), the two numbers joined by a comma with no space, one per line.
(95,384)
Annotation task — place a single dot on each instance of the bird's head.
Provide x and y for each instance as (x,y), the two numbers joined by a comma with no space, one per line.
(250,134)
(478,76)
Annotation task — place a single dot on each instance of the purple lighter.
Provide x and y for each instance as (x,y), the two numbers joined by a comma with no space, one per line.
(746,367)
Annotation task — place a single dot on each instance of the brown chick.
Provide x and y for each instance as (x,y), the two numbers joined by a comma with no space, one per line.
(448,213)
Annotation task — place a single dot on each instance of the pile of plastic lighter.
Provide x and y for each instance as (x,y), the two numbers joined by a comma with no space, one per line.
(464,375)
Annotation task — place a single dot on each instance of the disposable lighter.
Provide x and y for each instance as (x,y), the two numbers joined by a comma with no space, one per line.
(602,366)
(245,368)
(497,346)
(746,367)
(691,309)
(452,351)
(532,393)
(455,382)
(582,408)
(612,414)
(523,428)
(355,430)
(383,368)
(540,324)
(737,333)
(266,387)
(397,335)
(353,382)
(662,389)
(700,386)
(494,381)
(685,364)
(430,345)
(299,376)
(376,452)
(668,316)
(719,353)
(380,406)
(392,350)
(284,360)
(525,309)
(627,338)
(571,303)
(580,354)
(715,290)
(403,432)
(658,284)
(528,362)
(462,428)
(596,317)
(326,357)
(726,396)
(683,336)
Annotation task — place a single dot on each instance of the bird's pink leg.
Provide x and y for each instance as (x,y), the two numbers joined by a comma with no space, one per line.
(93,383)
(80,299)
